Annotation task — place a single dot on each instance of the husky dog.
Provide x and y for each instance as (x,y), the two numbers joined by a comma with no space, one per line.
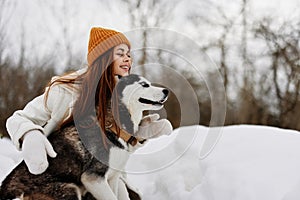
(85,168)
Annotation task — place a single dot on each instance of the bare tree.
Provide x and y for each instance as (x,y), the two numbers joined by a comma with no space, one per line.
(228,25)
(225,26)
(6,11)
(63,15)
(284,51)
(249,104)
(20,80)
(144,14)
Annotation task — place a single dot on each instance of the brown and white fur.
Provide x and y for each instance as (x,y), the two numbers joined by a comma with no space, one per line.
(84,168)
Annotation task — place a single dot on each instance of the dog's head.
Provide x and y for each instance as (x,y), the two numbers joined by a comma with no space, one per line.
(135,95)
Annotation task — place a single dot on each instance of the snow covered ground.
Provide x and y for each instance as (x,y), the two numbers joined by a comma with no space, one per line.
(246,163)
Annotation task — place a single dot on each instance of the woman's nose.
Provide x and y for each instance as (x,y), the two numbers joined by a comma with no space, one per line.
(126,58)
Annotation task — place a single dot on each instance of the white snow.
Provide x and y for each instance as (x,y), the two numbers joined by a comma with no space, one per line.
(247,162)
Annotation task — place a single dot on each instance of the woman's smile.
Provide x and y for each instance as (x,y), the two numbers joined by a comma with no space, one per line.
(122,60)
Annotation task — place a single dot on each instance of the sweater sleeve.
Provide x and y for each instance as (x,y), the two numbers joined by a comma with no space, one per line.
(36,116)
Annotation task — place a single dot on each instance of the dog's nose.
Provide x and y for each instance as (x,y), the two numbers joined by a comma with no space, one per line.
(166,92)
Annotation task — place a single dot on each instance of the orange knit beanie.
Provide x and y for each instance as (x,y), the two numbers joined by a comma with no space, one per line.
(101,40)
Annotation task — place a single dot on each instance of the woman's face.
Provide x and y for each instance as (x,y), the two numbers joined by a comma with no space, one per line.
(122,60)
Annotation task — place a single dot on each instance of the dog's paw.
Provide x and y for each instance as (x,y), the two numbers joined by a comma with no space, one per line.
(149,118)
(152,127)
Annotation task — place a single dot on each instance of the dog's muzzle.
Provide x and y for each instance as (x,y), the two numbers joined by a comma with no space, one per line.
(156,103)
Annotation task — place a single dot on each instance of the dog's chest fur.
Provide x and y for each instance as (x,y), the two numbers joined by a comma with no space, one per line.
(113,158)
(117,161)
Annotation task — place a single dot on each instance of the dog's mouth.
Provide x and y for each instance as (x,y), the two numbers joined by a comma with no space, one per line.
(155,103)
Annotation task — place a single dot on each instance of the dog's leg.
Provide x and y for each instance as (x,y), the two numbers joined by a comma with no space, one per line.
(78,190)
(97,186)
(122,190)
(114,185)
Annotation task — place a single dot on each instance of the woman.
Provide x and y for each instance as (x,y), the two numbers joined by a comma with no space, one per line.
(91,88)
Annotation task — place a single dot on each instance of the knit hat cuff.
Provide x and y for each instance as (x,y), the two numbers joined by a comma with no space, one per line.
(105,45)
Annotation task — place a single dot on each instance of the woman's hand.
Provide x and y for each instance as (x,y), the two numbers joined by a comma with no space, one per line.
(35,148)
(152,127)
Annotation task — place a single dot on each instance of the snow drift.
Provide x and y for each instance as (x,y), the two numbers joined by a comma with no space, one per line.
(247,162)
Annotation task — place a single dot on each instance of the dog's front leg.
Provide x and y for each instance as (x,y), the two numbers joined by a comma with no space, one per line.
(118,187)
(97,186)
(122,191)
(113,183)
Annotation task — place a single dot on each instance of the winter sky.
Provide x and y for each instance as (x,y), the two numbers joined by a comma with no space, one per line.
(41,23)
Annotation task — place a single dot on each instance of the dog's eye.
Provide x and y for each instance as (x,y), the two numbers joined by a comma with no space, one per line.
(144,84)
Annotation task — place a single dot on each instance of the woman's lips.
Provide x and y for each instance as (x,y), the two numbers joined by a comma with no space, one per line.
(125,67)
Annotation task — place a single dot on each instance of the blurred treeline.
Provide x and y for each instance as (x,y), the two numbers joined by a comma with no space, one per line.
(258,59)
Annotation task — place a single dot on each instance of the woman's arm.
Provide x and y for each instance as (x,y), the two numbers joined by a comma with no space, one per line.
(33,117)
(36,116)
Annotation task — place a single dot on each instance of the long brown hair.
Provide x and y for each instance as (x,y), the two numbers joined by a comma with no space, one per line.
(96,88)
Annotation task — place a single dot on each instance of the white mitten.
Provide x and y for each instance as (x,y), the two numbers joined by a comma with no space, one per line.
(35,148)
(151,127)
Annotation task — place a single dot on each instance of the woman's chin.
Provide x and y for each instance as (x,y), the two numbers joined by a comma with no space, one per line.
(125,74)
(122,73)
